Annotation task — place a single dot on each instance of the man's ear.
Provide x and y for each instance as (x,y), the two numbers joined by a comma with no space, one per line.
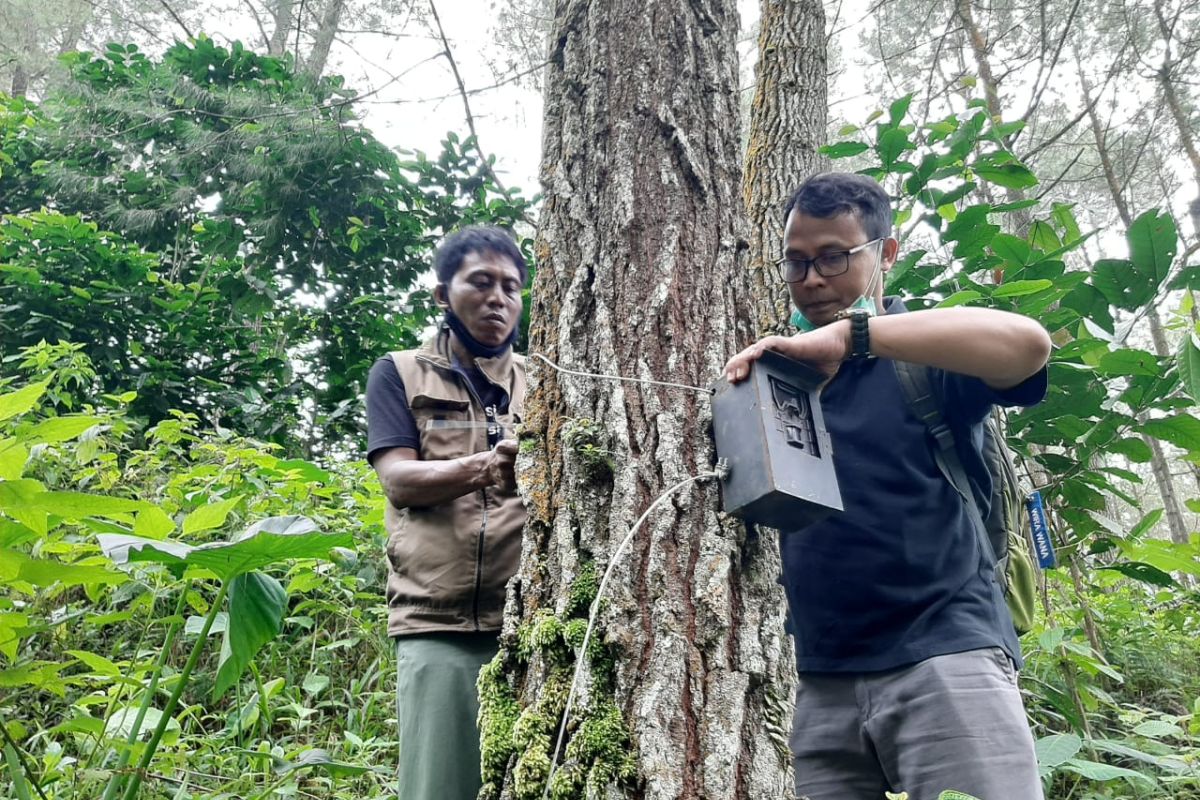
(440,297)
(891,249)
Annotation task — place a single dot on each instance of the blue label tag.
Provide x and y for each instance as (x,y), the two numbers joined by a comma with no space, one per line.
(1043,548)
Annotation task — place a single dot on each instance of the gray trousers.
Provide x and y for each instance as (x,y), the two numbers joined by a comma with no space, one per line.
(436,708)
(949,722)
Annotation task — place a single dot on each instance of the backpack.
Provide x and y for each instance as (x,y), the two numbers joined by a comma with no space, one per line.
(1004,535)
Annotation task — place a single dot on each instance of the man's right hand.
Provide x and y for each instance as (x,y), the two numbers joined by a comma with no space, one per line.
(501,465)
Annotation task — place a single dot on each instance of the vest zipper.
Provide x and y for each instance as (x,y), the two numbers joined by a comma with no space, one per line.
(479,561)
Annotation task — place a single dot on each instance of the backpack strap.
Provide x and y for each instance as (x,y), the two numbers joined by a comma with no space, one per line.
(918,392)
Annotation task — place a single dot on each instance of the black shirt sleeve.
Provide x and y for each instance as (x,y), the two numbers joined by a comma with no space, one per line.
(390,423)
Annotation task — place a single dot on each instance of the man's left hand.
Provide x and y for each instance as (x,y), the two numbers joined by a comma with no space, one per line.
(824,349)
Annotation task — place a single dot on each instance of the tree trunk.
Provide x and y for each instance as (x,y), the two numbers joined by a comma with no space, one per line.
(787,125)
(20,81)
(284,14)
(639,274)
(315,65)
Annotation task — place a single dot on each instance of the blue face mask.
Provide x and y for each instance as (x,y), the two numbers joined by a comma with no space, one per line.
(801,322)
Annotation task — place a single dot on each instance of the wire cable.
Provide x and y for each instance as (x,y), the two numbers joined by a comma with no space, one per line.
(587,636)
(581,374)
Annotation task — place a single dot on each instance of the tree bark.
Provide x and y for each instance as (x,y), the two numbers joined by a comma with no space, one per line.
(640,250)
(315,64)
(787,126)
(284,15)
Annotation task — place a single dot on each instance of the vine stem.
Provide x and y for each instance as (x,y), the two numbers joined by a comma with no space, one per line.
(135,729)
(135,783)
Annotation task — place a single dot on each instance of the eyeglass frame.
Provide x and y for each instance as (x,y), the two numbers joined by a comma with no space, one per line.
(811,263)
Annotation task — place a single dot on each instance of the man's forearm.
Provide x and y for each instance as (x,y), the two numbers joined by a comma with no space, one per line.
(998,347)
(430,483)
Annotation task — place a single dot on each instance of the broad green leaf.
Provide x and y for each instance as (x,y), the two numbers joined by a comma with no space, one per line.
(1120,284)
(1143,573)
(11,625)
(1165,555)
(153,523)
(845,149)
(1133,448)
(315,683)
(195,624)
(1043,237)
(1012,249)
(1010,176)
(960,298)
(20,401)
(120,724)
(1158,729)
(1065,217)
(13,455)
(98,663)
(1121,749)
(77,505)
(256,606)
(899,108)
(16,566)
(308,470)
(38,675)
(209,516)
(1187,360)
(1096,771)
(61,429)
(1146,523)
(317,758)
(1153,242)
(16,774)
(1057,749)
(1129,361)
(268,542)
(951,794)
(892,143)
(971,231)
(1021,288)
(1182,431)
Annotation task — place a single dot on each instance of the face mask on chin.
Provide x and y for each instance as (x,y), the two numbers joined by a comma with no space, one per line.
(801,322)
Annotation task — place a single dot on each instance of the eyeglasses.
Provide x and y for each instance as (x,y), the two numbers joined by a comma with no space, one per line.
(827,265)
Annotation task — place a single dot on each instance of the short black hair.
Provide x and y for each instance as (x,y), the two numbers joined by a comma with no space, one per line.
(830,194)
(479,239)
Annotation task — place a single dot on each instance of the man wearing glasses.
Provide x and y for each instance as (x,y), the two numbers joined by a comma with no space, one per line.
(905,649)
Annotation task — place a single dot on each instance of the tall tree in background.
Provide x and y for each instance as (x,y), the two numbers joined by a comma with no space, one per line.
(286,237)
(639,258)
(787,126)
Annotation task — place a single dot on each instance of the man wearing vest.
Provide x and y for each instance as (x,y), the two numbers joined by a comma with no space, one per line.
(905,648)
(440,436)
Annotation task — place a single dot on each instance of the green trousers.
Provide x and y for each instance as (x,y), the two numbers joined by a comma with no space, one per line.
(437,708)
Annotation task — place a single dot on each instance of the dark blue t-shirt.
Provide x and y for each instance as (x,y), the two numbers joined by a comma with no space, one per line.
(899,576)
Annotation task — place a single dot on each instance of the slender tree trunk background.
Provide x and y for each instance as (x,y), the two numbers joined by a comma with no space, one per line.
(787,125)
(640,273)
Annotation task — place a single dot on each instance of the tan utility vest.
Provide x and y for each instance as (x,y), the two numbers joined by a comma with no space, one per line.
(448,564)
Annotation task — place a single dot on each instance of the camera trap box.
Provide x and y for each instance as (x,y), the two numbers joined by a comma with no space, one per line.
(770,431)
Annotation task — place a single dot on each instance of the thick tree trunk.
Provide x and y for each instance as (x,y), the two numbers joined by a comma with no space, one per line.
(283,12)
(787,125)
(639,274)
(315,65)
